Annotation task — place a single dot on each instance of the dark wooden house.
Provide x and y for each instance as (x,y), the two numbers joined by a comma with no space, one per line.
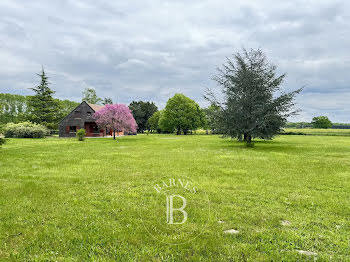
(82,117)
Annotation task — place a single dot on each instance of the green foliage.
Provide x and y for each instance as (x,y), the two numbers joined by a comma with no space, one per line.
(298,125)
(321,122)
(43,108)
(107,101)
(2,141)
(142,111)
(341,125)
(153,121)
(316,132)
(212,120)
(81,133)
(13,108)
(181,114)
(25,130)
(252,107)
(90,96)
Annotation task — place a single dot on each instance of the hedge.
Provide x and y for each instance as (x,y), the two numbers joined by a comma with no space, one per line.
(25,130)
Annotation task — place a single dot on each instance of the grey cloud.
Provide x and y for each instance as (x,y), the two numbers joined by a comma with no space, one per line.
(153,49)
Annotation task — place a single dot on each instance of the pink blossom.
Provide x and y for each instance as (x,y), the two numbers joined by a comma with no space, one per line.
(117,117)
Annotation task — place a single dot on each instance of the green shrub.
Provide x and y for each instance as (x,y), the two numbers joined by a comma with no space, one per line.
(25,130)
(2,141)
(81,134)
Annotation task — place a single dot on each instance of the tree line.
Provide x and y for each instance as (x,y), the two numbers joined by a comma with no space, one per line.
(16,108)
(318,122)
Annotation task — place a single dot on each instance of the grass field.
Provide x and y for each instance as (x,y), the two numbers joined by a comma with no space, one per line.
(64,200)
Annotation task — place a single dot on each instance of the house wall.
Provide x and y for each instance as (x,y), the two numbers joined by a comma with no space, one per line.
(76,119)
(82,120)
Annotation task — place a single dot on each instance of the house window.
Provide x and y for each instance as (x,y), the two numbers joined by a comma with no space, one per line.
(77,114)
(88,114)
(72,129)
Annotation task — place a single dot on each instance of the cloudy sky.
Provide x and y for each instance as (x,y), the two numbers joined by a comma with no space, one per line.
(149,50)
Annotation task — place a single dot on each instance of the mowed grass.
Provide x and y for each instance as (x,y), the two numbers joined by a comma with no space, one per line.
(65,200)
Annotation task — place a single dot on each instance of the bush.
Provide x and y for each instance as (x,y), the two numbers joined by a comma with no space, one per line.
(25,130)
(81,134)
(2,141)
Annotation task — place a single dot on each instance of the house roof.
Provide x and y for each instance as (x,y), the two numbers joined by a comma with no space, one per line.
(95,107)
(92,106)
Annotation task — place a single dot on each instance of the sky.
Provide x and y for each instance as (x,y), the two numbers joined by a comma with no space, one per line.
(150,50)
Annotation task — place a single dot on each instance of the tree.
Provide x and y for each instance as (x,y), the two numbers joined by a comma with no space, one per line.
(13,108)
(253,103)
(43,108)
(107,101)
(212,120)
(321,122)
(181,114)
(153,121)
(90,96)
(116,117)
(142,111)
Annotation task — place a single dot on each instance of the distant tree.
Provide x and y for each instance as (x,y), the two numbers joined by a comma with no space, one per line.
(107,101)
(252,106)
(13,108)
(90,96)
(321,122)
(211,115)
(43,108)
(153,121)
(298,125)
(181,114)
(117,117)
(142,111)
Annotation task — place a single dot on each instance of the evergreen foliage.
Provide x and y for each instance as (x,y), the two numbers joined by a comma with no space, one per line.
(254,105)
(43,108)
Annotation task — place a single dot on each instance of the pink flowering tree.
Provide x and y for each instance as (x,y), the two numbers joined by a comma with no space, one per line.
(116,117)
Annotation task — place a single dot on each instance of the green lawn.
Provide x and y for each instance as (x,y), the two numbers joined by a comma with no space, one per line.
(65,200)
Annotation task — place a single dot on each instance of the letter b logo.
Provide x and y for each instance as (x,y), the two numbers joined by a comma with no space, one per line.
(170,209)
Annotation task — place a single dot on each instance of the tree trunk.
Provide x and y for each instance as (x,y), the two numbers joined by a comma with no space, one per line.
(113,133)
(249,139)
(178,132)
(245,137)
(207,132)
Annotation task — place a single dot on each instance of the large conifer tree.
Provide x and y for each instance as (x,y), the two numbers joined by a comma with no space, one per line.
(253,105)
(43,107)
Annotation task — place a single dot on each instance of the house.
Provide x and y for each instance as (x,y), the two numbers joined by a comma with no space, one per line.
(82,117)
